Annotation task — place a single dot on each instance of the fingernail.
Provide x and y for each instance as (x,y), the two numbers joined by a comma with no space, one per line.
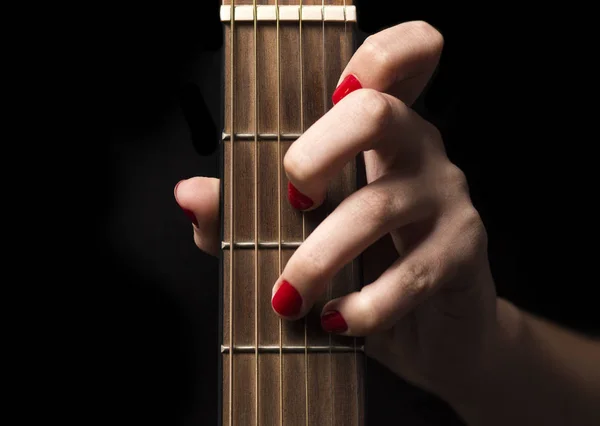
(191,216)
(297,199)
(287,301)
(348,85)
(187,212)
(333,322)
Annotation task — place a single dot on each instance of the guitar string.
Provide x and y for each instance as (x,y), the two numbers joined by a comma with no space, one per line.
(303,215)
(329,284)
(231,190)
(353,271)
(232,20)
(279,213)
(256,399)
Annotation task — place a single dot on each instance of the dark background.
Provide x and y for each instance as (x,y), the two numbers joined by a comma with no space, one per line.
(515,98)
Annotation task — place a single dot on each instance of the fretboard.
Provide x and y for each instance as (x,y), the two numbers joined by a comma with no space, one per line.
(282,64)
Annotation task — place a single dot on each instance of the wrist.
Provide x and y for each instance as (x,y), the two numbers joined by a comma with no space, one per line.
(479,389)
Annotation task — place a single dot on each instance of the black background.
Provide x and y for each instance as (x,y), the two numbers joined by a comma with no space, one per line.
(514,97)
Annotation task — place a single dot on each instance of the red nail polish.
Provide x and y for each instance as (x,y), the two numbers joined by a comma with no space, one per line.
(348,85)
(333,322)
(191,216)
(287,301)
(297,199)
(187,212)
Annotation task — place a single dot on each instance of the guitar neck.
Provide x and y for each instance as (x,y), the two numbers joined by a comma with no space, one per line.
(282,62)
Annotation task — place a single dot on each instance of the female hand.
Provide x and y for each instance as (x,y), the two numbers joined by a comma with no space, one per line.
(428,311)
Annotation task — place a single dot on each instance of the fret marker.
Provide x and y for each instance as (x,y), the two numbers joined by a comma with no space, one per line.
(268,13)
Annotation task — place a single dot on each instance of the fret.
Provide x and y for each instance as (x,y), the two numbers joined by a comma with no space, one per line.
(292,349)
(251,245)
(279,77)
(250,137)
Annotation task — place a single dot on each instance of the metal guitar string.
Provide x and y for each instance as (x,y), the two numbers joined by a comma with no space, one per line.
(231,189)
(279,214)
(303,215)
(256,216)
(324,68)
(353,272)
(232,244)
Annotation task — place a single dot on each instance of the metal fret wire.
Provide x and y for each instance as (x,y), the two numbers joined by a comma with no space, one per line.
(256,400)
(261,245)
(289,349)
(241,137)
(232,186)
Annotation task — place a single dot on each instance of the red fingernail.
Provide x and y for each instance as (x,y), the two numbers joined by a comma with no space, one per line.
(348,85)
(333,322)
(287,301)
(191,216)
(187,212)
(297,199)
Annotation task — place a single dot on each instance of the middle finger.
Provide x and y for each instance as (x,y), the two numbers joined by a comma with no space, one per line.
(359,221)
(368,120)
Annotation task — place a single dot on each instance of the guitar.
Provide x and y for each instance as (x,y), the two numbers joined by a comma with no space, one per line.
(282,62)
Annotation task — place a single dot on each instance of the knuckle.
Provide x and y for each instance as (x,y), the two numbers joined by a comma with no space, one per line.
(432,131)
(378,55)
(429,35)
(452,184)
(376,206)
(417,280)
(456,178)
(475,228)
(472,235)
(432,136)
(375,109)
(297,166)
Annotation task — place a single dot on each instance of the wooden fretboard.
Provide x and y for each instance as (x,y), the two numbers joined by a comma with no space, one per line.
(279,77)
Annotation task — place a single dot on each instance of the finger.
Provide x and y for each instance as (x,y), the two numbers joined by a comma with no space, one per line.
(406,283)
(370,120)
(379,207)
(399,60)
(198,197)
(378,305)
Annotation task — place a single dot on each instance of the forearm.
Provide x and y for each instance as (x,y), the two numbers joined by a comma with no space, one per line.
(540,374)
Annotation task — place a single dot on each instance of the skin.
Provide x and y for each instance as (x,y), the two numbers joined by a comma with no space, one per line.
(430,311)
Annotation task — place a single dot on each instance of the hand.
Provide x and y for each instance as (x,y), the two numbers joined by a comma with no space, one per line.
(429,311)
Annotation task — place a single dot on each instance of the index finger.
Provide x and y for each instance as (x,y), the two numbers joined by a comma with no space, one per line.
(399,61)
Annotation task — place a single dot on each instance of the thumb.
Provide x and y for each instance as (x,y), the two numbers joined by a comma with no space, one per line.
(198,197)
